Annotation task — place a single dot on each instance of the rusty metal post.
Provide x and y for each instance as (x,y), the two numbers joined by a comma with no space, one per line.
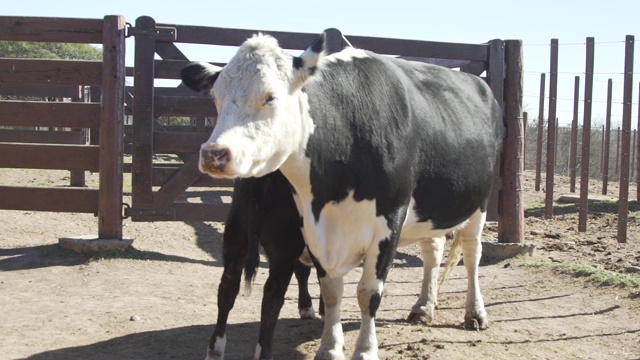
(540,132)
(573,152)
(525,124)
(551,130)
(511,224)
(625,144)
(586,137)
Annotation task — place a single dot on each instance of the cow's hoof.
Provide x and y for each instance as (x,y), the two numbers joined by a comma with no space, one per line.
(420,318)
(329,354)
(213,354)
(307,313)
(476,323)
(365,356)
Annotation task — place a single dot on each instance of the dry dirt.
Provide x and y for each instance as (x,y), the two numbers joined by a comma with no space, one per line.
(158,301)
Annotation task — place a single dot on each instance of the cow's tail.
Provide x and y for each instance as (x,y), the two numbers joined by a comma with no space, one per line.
(454,258)
(253,255)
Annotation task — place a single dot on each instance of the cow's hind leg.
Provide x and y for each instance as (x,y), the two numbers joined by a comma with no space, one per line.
(423,310)
(475,317)
(305,306)
(280,272)
(235,255)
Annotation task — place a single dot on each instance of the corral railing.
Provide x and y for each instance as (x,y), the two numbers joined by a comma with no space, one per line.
(33,149)
(159,187)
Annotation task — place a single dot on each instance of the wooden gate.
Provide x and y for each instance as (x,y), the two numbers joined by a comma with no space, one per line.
(150,139)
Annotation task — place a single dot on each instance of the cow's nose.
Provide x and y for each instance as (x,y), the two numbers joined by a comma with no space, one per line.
(213,158)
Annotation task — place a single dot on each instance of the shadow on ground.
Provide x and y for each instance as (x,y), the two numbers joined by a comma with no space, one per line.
(191,343)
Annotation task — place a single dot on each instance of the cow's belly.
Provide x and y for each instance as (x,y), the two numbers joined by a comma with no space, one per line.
(413,230)
(344,233)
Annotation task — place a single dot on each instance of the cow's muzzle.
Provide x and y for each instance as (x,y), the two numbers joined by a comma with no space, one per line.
(213,158)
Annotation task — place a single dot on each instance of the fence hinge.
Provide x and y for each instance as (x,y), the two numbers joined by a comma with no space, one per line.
(160,33)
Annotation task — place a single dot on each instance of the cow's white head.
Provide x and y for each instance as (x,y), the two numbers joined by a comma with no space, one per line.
(260,110)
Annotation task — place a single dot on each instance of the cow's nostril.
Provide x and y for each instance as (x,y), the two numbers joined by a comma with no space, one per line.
(219,154)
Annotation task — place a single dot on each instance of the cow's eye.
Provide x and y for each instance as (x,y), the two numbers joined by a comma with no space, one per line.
(269,99)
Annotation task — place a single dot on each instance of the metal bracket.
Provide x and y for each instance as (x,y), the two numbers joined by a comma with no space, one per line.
(167,34)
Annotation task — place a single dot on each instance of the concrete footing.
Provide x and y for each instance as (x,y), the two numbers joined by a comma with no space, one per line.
(89,244)
(501,251)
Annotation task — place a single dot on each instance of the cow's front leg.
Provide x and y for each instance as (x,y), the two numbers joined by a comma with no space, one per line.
(475,317)
(369,296)
(423,310)
(377,263)
(332,342)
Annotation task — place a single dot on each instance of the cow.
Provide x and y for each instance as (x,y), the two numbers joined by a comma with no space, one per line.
(262,213)
(380,152)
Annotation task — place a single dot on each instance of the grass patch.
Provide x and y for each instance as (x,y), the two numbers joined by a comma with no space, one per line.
(601,277)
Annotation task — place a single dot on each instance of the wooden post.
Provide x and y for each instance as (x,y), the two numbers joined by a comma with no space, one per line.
(573,152)
(638,152)
(525,124)
(617,153)
(625,143)
(112,129)
(511,224)
(586,138)
(496,81)
(540,132)
(551,132)
(607,140)
(142,149)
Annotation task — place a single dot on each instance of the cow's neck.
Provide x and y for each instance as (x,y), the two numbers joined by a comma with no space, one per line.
(297,167)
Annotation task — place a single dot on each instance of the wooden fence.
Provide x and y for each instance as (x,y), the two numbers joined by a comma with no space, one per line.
(627,156)
(157,186)
(65,150)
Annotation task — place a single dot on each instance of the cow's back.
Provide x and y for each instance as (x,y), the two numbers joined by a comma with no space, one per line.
(388,128)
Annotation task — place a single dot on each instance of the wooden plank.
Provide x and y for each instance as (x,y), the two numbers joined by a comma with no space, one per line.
(50,114)
(161,174)
(170,69)
(57,91)
(42,137)
(78,200)
(111,129)
(38,156)
(44,71)
(69,30)
(178,183)
(188,212)
(184,106)
(300,41)
(171,143)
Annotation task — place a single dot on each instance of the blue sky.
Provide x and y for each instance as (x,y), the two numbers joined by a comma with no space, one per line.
(535,22)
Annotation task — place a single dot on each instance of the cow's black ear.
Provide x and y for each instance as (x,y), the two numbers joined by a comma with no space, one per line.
(200,76)
(305,65)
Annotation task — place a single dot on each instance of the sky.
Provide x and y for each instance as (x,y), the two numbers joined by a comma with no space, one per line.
(463,21)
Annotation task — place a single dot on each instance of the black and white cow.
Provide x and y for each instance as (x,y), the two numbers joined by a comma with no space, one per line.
(380,152)
(262,213)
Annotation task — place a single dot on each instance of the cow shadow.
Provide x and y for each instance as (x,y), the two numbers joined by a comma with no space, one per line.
(191,342)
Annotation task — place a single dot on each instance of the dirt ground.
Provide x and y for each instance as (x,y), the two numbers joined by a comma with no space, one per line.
(158,301)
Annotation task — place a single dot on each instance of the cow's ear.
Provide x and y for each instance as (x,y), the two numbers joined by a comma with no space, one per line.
(200,76)
(305,65)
